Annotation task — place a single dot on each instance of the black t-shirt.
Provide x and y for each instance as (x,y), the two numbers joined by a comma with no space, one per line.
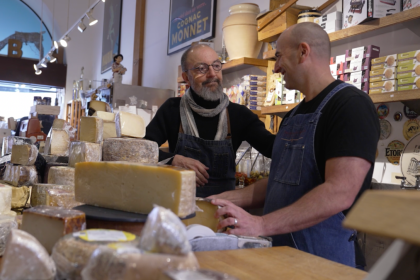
(348,127)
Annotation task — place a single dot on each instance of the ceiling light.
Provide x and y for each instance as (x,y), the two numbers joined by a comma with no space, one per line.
(81,26)
(92,20)
(43,63)
(35,67)
(56,44)
(38,72)
(65,40)
(52,57)
(103,1)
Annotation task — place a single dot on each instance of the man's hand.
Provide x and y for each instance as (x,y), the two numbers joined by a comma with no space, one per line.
(199,168)
(246,224)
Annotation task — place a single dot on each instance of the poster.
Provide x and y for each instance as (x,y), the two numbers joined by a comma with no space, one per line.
(111,34)
(190,21)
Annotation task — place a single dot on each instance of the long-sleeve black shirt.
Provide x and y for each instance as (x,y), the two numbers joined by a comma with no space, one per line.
(245,126)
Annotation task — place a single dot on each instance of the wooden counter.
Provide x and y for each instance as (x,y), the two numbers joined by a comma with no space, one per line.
(276,263)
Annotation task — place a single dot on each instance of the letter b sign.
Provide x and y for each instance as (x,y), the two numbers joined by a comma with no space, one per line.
(15,48)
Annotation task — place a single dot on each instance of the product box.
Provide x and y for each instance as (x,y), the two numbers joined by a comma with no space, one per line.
(382,74)
(255,88)
(254,78)
(409,81)
(357,65)
(254,83)
(384,62)
(406,62)
(407,71)
(334,24)
(357,77)
(410,55)
(340,77)
(337,69)
(362,86)
(382,86)
(257,93)
(409,4)
(359,11)
(338,59)
(407,87)
(370,51)
(329,17)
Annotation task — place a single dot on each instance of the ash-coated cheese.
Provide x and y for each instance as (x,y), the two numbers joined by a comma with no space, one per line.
(106,116)
(130,125)
(49,224)
(130,149)
(59,142)
(5,198)
(91,129)
(25,258)
(110,131)
(204,215)
(7,223)
(135,187)
(25,154)
(83,152)
(18,175)
(61,198)
(61,175)
(39,193)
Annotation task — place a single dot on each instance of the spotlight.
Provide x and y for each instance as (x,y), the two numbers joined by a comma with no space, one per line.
(81,26)
(43,63)
(52,57)
(38,72)
(56,44)
(92,20)
(36,67)
(103,1)
(65,40)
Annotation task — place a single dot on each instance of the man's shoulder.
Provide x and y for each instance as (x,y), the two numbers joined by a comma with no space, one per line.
(172,102)
(238,111)
(350,96)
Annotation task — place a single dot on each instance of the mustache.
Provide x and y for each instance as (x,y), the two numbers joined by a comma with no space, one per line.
(211,81)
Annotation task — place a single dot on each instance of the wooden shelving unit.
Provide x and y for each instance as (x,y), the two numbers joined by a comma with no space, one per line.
(278,110)
(365,27)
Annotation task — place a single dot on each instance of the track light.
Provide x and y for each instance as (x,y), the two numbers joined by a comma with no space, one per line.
(43,63)
(37,71)
(81,26)
(52,57)
(92,20)
(65,40)
(56,45)
(35,67)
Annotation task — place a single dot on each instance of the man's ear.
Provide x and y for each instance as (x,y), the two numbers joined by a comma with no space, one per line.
(304,51)
(186,79)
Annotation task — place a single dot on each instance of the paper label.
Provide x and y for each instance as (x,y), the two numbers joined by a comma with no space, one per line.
(104,235)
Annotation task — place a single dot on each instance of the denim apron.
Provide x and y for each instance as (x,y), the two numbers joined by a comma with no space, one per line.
(218,156)
(294,172)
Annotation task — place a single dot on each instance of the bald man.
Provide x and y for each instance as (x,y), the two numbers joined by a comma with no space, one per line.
(203,129)
(322,160)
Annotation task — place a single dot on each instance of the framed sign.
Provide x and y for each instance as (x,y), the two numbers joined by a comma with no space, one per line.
(189,21)
(111,34)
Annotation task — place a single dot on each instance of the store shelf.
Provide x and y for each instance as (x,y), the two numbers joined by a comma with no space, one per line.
(278,110)
(366,27)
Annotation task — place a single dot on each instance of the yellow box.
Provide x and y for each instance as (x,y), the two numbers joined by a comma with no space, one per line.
(412,54)
(387,85)
(389,60)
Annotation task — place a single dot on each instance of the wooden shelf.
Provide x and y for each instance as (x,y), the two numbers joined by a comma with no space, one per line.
(180,80)
(366,27)
(278,110)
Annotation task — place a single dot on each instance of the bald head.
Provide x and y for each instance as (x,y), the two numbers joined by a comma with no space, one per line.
(188,52)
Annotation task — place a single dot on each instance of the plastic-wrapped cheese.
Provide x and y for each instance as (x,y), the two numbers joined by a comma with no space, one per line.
(25,258)
(39,193)
(130,125)
(130,149)
(135,187)
(204,214)
(72,252)
(7,223)
(61,175)
(5,198)
(18,175)
(59,143)
(9,141)
(49,224)
(91,129)
(61,198)
(83,152)
(20,196)
(24,154)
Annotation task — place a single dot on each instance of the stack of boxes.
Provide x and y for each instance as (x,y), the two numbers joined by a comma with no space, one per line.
(337,66)
(255,90)
(330,22)
(408,70)
(383,74)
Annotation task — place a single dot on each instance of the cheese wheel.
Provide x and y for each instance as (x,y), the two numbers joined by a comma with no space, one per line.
(130,125)
(83,152)
(7,223)
(129,149)
(59,142)
(39,193)
(61,175)
(18,175)
(91,129)
(24,154)
(97,105)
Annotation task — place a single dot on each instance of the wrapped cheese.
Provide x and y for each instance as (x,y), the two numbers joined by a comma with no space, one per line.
(130,125)
(61,175)
(7,223)
(9,141)
(84,152)
(25,154)
(18,175)
(91,129)
(39,193)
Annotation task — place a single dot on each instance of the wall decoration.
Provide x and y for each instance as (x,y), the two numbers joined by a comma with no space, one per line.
(410,113)
(190,21)
(398,116)
(383,111)
(386,129)
(111,33)
(410,159)
(411,128)
(393,151)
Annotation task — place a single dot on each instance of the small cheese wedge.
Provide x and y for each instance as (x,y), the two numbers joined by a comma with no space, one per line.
(58,221)
(204,215)
(34,262)
(130,149)
(61,175)
(19,175)
(20,196)
(110,130)
(91,129)
(83,152)
(9,141)
(24,154)
(58,123)
(97,105)
(39,193)
(130,125)
(59,142)
(61,198)
(135,187)
(5,198)
(106,116)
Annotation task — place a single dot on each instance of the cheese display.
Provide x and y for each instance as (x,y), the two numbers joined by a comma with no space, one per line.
(199,274)
(61,198)
(24,154)
(110,131)
(91,129)
(7,223)
(72,252)
(135,187)
(59,143)
(106,116)
(130,125)
(49,224)
(39,193)
(18,175)
(20,196)
(84,152)
(9,141)
(58,123)
(204,215)
(61,175)
(5,198)
(130,149)
(25,258)
(97,105)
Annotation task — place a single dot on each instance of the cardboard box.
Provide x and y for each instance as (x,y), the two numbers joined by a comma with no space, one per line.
(357,77)
(329,17)
(383,74)
(409,83)
(357,65)
(386,85)
(407,62)
(4,132)
(362,86)
(409,4)
(331,25)
(381,90)
(370,51)
(407,87)
(340,58)
(410,55)
(359,11)
(407,71)
(337,69)
(384,62)
(340,77)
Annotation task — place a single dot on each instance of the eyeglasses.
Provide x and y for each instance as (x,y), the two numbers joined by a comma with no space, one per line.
(203,68)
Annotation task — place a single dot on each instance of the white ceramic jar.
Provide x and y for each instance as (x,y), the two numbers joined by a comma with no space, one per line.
(240,31)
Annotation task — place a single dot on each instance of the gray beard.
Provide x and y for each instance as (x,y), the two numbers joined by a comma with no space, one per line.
(209,95)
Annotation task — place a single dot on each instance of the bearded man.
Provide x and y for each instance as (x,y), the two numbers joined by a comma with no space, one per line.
(203,128)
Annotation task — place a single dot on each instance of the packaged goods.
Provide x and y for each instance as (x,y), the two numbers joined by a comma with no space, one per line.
(20,196)
(34,262)
(255,88)
(254,78)
(357,65)
(362,86)
(254,107)
(383,74)
(18,175)
(357,77)
(131,150)
(409,83)
(39,193)
(5,198)
(388,60)
(308,15)
(59,142)
(91,129)
(25,154)
(360,53)
(410,55)
(106,116)
(97,105)
(329,17)
(407,87)
(61,198)
(257,93)
(7,223)
(331,26)
(256,83)
(204,215)
(9,141)
(110,130)
(408,71)
(61,175)
(383,86)
(83,152)
(132,187)
(130,125)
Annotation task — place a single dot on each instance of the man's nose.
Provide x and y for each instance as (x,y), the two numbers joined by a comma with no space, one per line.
(277,67)
(211,73)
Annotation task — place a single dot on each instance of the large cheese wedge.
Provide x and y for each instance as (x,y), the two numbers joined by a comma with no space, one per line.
(106,116)
(97,105)
(135,187)
(61,175)
(59,143)
(7,223)
(110,130)
(204,215)
(72,252)
(61,198)
(130,149)
(34,262)
(5,198)
(39,193)
(24,154)
(18,175)
(9,141)
(49,224)
(83,152)
(130,125)
(91,129)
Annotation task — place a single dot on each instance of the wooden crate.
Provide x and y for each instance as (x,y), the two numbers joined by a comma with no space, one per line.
(74,113)
(273,30)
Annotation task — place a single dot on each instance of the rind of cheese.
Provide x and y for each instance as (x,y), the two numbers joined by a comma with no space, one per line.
(58,123)
(131,150)
(24,154)
(59,142)
(49,224)
(34,262)
(110,131)
(5,198)
(106,116)
(18,175)
(91,129)
(135,187)
(71,253)
(97,105)
(9,141)
(61,198)
(20,196)
(7,223)
(39,193)
(130,125)
(83,152)
(61,175)
(204,215)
